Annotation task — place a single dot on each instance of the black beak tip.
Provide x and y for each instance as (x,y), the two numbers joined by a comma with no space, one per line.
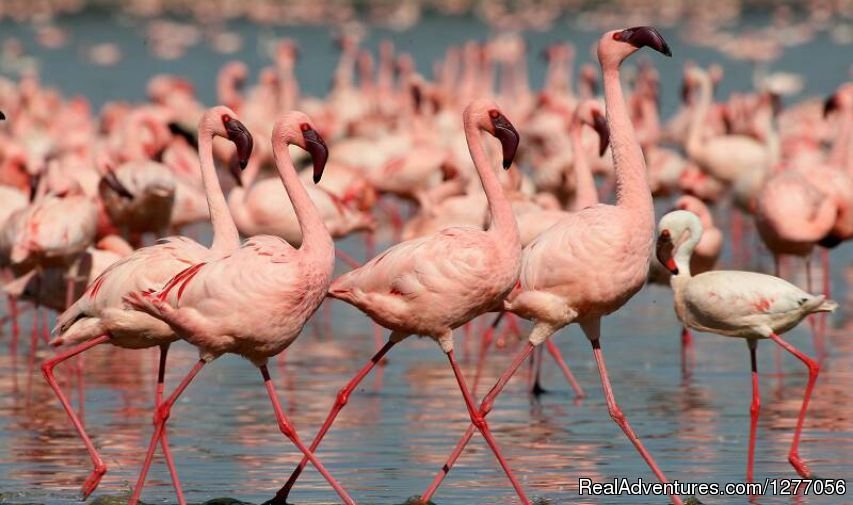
(674,271)
(507,164)
(317,178)
(243,164)
(2,116)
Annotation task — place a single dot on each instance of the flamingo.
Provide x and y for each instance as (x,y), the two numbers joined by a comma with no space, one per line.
(432,285)
(593,261)
(99,315)
(279,288)
(738,304)
(705,256)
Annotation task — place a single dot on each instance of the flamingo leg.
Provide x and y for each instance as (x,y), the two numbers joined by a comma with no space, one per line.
(817,338)
(340,402)
(814,368)
(686,351)
(162,413)
(554,351)
(16,328)
(620,419)
(753,410)
(537,388)
(288,431)
(480,422)
(485,343)
(346,258)
(485,408)
(164,440)
(47,367)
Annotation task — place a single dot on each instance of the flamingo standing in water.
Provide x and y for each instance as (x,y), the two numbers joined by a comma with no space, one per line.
(273,287)
(593,261)
(738,304)
(99,316)
(431,285)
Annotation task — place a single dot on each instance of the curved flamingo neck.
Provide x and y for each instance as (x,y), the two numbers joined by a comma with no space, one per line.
(502,219)
(225,235)
(632,186)
(585,193)
(315,236)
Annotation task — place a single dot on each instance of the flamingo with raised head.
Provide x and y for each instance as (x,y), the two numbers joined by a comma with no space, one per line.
(592,262)
(738,304)
(280,286)
(100,316)
(431,285)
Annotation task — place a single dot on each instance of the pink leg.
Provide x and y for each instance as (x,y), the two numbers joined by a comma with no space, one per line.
(288,431)
(340,403)
(558,357)
(794,455)
(47,369)
(161,415)
(736,223)
(485,408)
(164,439)
(81,390)
(481,424)
(485,343)
(620,419)
(753,411)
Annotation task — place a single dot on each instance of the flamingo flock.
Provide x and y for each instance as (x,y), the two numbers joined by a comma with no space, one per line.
(497,203)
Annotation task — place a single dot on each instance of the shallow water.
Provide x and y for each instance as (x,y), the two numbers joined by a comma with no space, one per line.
(402,422)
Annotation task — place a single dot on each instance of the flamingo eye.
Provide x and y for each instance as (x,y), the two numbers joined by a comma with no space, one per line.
(494,114)
(305,127)
(226,118)
(617,36)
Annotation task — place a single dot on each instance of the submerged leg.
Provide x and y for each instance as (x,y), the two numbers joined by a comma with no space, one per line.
(558,357)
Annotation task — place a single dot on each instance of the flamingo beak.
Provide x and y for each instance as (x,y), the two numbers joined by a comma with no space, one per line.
(316,147)
(599,123)
(508,136)
(645,36)
(242,139)
(2,116)
(831,104)
(685,92)
(112,181)
(664,250)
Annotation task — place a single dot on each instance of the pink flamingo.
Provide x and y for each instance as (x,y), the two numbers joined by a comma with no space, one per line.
(593,261)
(99,315)
(738,304)
(281,288)
(432,285)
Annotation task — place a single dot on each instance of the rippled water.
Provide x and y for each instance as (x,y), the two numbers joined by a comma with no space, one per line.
(402,422)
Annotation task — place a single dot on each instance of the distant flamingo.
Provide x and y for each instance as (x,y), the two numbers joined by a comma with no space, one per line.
(280,288)
(99,315)
(591,263)
(432,285)
(738,304)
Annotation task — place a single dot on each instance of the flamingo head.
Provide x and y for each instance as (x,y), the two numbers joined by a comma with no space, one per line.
(616,45)
(486,116)
(678,233)
(840,100)
(224,123)
(297,128)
